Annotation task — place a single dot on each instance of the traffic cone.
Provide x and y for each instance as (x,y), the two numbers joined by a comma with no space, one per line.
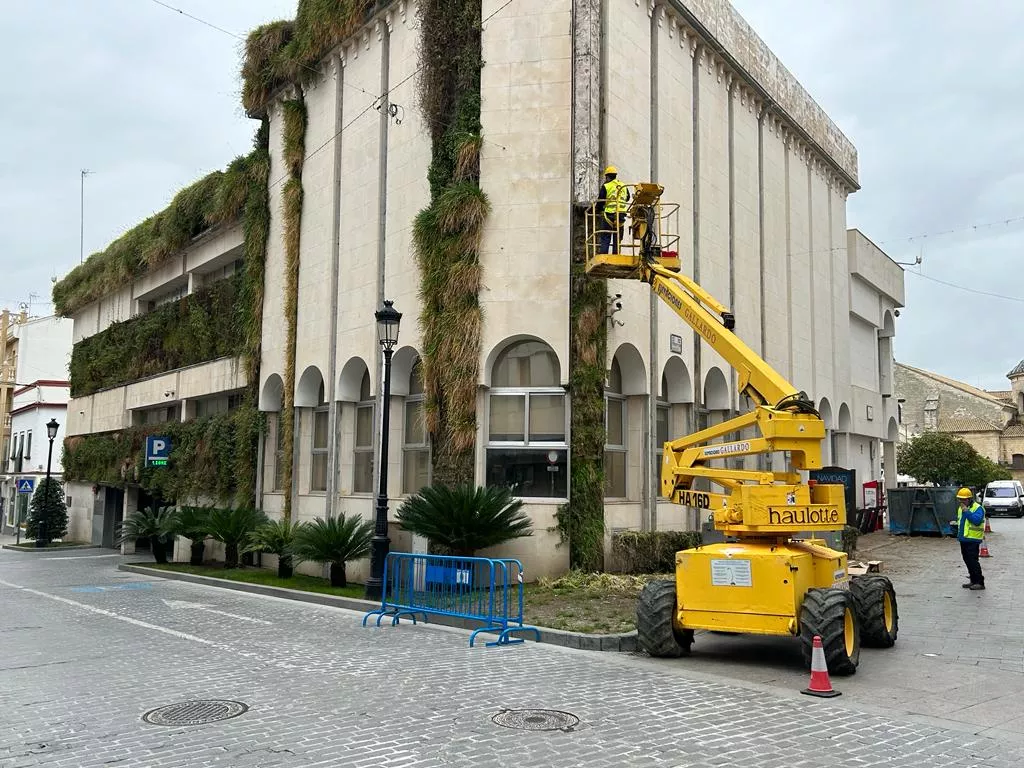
(983,552)
(820,685)
(988,528)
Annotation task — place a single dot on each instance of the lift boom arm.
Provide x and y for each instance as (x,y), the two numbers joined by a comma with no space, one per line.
(759,503)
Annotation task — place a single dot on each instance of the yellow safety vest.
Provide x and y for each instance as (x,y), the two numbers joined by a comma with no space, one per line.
(615,194)
(971,531)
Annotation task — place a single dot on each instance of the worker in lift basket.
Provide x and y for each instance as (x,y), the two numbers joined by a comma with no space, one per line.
(970,530)
(611,207)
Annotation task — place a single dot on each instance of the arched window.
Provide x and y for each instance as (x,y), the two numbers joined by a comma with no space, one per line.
(415,442)
(663,425)
(615,435)
(527,426)
(318,475)
(362,481)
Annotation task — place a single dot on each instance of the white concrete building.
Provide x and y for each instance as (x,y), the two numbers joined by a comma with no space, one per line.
(177,395)
(685,94)
(42,348)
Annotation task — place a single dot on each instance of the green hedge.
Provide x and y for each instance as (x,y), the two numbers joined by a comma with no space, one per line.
(210,457)
(201,327)
(651,551)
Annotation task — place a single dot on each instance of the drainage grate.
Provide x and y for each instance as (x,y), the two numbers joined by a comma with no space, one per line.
(536,719)
(195,712)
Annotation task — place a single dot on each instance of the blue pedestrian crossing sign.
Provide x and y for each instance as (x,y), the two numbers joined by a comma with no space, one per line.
(26,484)
(158,450)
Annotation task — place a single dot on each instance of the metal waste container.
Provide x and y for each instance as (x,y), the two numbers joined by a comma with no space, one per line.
(920,509)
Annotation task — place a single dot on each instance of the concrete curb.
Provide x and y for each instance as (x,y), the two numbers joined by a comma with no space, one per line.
(620,643)
(26,548)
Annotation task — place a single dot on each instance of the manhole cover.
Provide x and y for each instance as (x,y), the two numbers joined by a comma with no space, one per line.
(195,712)
(536,719)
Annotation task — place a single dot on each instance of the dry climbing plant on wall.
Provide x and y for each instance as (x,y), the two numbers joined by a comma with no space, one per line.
(214,456)
(294,135)
(447,233)
(580,522)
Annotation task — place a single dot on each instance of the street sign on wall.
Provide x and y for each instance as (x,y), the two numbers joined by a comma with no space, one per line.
(158,451)
(26,485)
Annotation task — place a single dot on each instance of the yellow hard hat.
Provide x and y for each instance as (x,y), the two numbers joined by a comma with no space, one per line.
(964,493)
(610,169)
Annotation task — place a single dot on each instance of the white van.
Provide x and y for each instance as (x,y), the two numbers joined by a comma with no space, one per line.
(1003,497)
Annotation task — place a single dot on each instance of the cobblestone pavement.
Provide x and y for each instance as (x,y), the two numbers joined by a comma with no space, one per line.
(959,659)
(87,650)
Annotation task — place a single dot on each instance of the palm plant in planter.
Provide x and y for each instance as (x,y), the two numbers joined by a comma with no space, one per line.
(194,525)
(231,527)
(461,520)
(158,524)
(278,538)
(335,541)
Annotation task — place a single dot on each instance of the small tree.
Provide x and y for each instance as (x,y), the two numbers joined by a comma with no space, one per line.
(232,527)
(336,541)
(464,519)
(48,514)
(278,538)
(194,525)
(158,524)
(942,459)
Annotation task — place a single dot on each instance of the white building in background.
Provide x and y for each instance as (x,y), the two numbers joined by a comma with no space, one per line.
(685,94)
(42,351)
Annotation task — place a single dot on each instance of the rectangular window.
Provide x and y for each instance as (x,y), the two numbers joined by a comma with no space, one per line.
(415,449)
(529,472)
(663,429)
(615,447)
(278,468)
(508,418)
(318,480)
(28,447)
(362,482)
(527,448)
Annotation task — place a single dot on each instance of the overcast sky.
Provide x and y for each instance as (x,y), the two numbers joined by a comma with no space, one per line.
(148,100)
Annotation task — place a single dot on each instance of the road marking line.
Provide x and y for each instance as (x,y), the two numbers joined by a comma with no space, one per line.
(78,557)
(208,609)
(146,625)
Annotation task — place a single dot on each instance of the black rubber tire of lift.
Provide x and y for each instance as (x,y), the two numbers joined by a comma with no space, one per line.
(823,613)
(869,596)
(655,631)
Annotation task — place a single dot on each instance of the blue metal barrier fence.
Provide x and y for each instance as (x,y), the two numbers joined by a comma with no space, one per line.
(483,589)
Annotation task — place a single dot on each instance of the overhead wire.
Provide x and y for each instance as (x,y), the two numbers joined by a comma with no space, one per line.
(378,100)
(243,39)
(966,288)
(383,99)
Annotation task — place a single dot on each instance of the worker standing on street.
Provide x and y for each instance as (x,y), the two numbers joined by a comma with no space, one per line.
(611,209)
(970,530)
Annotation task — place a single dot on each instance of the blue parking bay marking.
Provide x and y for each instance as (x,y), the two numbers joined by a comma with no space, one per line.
(132,585)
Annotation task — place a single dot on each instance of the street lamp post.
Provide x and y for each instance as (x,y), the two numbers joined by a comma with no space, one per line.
(41,539)
(388,319)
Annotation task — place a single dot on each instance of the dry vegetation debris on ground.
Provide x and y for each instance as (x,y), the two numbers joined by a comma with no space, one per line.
(596,603)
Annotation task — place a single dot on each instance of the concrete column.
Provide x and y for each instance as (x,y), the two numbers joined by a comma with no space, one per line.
(889,463)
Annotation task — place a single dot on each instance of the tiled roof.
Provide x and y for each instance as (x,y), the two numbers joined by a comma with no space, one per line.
(1018,371)
(966,424)
(957,384)
(1014,430)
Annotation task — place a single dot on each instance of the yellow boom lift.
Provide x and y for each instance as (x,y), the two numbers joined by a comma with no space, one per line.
(763,579)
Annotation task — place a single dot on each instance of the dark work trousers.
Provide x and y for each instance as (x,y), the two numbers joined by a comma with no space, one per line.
(610,238)
(970,550)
